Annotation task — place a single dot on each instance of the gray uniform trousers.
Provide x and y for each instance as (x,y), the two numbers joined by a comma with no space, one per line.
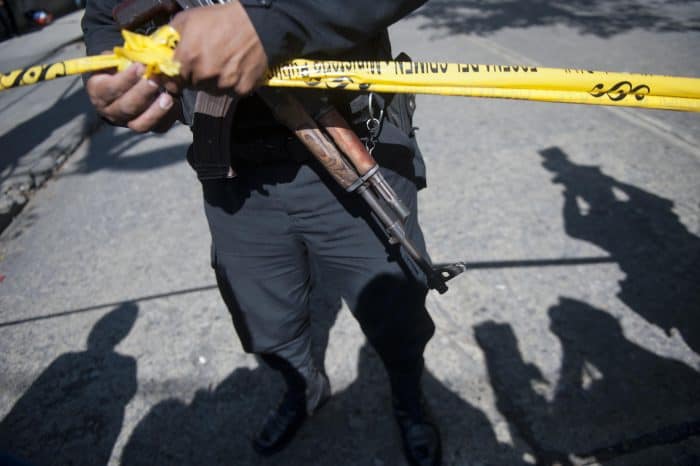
(275,222)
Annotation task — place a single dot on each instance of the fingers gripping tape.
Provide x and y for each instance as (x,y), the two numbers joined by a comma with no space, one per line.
(155,51)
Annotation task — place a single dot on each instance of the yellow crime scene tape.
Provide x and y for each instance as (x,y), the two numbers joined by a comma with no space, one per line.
(496,81)
(154,51)
(454,79)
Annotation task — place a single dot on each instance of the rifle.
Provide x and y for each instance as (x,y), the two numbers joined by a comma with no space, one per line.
(326,135)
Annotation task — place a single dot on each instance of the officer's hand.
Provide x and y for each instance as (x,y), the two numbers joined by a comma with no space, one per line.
(219,50)
(126,99)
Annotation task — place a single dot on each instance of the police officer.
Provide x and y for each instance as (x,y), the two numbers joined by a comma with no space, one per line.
(277,220)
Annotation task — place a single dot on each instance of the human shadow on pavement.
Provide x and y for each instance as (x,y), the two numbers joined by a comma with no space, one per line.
(73,412)
(612,397)
(603,18)
(657,253)
(355,427)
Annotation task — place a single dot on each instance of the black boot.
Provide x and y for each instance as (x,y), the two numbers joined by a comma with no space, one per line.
(296,405)
(419,433)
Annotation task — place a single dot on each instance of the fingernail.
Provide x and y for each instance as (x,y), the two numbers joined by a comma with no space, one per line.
(139,69)
(165,101)
(153,84)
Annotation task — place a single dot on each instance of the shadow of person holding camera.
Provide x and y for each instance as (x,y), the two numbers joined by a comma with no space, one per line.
(74,411)
(612,396)
(657,253)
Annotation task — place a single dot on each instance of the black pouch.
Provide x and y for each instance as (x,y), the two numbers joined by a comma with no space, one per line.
(397,127)
(399,111)
(210,151)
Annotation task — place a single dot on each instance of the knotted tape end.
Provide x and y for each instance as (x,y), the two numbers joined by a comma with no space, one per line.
(156,51)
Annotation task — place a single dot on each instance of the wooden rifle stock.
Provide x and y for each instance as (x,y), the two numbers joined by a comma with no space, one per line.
(290,112)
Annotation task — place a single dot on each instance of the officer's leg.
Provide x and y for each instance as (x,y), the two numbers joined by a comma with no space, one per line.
(391,312)
(386,293)
(262,272)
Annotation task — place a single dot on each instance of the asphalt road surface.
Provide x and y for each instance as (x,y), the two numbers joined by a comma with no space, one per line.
(574,338)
